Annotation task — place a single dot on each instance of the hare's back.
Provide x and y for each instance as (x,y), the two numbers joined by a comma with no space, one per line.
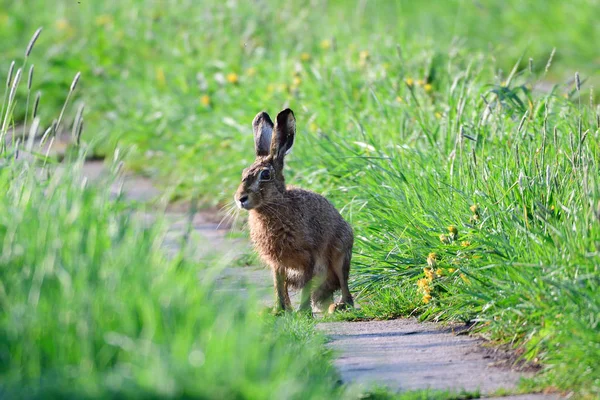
(316,214)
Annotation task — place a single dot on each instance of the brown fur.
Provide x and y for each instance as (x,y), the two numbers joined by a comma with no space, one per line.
(298,233)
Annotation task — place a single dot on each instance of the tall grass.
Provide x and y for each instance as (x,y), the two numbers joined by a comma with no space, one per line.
(487,212)
(91,307)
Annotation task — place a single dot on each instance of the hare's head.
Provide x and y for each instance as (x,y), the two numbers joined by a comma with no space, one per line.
(263,182)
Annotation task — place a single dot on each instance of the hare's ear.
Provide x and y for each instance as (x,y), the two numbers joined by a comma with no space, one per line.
(283,134)
(263,130)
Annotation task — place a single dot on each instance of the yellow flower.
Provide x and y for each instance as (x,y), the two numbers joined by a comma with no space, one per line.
(313,127)
(232,78)
(420,82)
(439,272)
(282,87)
(62,24)
(423,284)
(428,274)
(409,81)
(453,232)
(326,44)
(503,83)
(305,57)
(251,71)
(205,100)
(426,298)
(444,238)
(399,99)
(363,55)
(464,278)
(160,76)
(451,270)
(465,243)
(3,18)
(438,115)
(428,87)
(297,81)
(104,19)
(474,209)
(432,260)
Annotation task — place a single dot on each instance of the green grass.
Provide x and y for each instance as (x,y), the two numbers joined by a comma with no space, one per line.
(92,308)
(407,116)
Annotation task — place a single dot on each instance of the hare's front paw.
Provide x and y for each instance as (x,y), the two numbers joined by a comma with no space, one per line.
(339,306)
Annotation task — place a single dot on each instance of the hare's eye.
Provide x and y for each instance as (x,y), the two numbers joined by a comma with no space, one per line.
(265,175)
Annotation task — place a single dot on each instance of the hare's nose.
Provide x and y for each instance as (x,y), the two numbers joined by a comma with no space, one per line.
(243,198)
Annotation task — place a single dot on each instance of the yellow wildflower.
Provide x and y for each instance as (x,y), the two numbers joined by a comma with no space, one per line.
(326,44)
(426,298)
(399,99)
(438,115)
(423,284)
(439,272)
(313,127)
(409,81)
(465,243)
(451,270)
(420,82)
(160,76)
(251,71)
(363,55)
(474,209)
(205,100)
(444,238)
(62,24)
(232,78)
(428,88)
(432,260)
(453,232)
(104,19)
(305,57)
(464,278)
(428,273)
(297,81)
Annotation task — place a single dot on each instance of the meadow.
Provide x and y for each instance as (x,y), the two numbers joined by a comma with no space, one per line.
(460,138)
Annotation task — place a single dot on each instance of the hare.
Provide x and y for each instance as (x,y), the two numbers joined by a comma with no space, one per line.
(298,233)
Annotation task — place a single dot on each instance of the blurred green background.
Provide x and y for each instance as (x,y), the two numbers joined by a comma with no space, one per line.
(453,135)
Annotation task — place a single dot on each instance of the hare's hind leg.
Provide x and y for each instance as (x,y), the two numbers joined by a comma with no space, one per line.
(322,296)
(341,268)
(305,297)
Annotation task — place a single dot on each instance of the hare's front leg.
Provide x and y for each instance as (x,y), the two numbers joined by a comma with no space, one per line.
(282,300)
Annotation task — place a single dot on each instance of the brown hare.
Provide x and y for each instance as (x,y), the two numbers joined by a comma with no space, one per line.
(298,233)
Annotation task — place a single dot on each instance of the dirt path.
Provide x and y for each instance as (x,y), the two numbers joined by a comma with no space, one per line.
(402,354)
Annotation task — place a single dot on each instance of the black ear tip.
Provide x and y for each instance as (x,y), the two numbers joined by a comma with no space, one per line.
(284,116)
(262,116)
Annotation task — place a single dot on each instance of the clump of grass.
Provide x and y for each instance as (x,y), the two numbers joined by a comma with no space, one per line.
(506,202)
